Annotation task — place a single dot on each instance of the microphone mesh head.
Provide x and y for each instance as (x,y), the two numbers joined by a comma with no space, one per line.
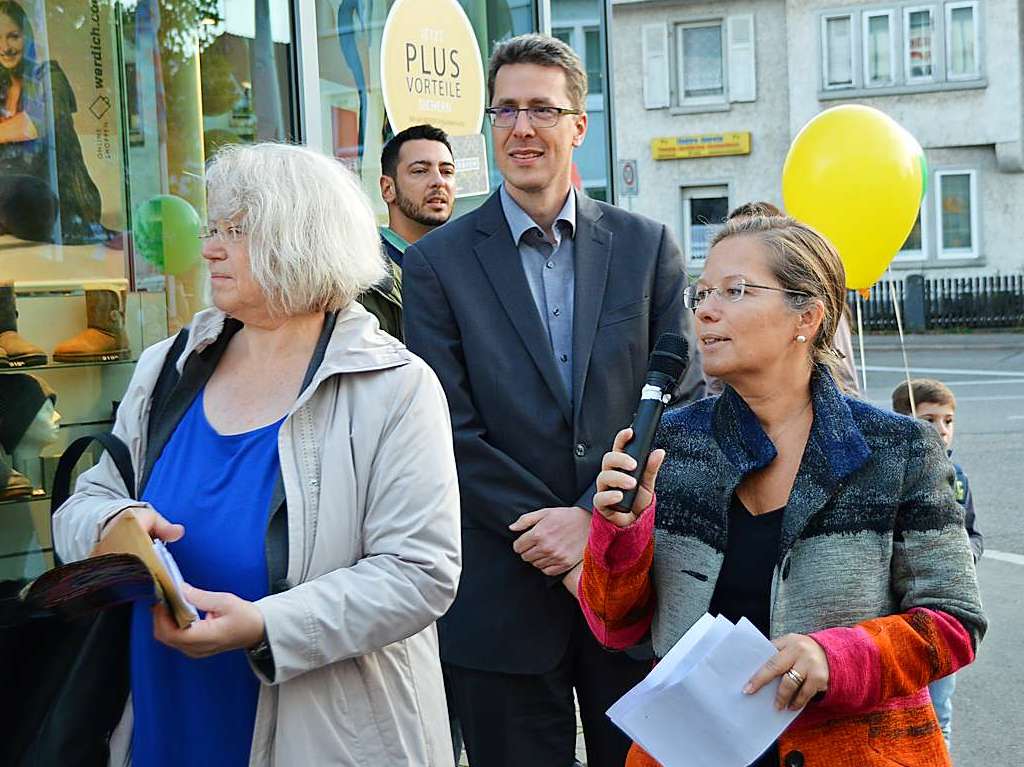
(671,356)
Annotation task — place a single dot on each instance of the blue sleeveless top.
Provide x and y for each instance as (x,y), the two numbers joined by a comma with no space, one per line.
(219,487)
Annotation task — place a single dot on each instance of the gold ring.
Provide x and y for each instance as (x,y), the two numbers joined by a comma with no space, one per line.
(796,676)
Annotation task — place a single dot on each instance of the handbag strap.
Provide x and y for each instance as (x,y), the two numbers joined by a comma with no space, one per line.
(115,447)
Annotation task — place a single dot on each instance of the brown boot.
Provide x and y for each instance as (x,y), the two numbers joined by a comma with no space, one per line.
(104,340)
(19,352)
(16,486)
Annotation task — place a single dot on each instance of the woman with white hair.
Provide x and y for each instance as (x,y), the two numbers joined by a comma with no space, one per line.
(301,472)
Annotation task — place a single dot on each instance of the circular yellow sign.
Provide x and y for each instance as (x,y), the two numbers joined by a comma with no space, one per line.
(430,65)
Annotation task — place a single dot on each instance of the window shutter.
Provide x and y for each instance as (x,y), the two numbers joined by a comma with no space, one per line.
(742,69)
(655,57)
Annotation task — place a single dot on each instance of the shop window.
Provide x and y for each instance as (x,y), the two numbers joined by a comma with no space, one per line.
(354,108)
(957,213)
(701,62)
(961,41)
(919,30)
(705,209)
(838,51)
(878,48)
(108,114)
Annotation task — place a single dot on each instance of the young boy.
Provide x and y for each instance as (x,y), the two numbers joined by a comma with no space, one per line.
(935,403)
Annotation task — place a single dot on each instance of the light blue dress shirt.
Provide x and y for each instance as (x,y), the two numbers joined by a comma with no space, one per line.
(551,273)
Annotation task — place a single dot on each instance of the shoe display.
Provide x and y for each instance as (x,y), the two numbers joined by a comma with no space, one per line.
(104,340)
(13,484)
(19,352)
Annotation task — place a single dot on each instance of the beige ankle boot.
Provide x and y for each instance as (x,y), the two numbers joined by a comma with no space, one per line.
(104,340)
(18,352)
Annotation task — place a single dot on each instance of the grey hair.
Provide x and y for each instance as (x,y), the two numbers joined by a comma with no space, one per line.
(544,51)
(313,240)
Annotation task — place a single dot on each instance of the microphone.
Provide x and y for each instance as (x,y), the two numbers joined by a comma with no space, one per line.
(668,362)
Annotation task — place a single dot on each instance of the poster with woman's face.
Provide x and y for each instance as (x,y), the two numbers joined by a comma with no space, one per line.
(61,156)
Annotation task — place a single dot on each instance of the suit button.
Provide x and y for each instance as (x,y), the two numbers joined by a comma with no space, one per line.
(794,759)
(785,572)
(581,450)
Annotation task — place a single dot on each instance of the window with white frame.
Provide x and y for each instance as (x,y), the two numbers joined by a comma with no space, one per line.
(961,40)
(919,43)
(957,213)
(705,209)
(715,63)
(879,51)
(916,246)
(837,55)
(700,56)
(909,44)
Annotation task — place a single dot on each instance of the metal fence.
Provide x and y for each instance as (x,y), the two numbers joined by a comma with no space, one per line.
(995,301)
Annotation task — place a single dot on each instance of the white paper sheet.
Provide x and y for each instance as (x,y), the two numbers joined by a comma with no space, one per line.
(690,711)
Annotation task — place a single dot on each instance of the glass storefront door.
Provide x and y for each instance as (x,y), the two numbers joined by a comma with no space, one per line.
(355,124)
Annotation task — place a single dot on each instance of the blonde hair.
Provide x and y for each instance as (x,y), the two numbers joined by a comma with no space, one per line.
(313,239)
(800,259)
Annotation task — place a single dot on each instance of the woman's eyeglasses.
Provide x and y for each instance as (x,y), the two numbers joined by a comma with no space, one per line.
(229,233)
(731,290)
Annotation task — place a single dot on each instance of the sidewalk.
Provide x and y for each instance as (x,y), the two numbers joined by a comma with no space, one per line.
(1010,341)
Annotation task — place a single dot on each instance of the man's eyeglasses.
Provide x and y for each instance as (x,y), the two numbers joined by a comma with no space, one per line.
(732,290)
(539,117)
(229,233)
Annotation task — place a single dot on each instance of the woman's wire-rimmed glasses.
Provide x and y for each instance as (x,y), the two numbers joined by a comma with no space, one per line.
(731,290)
(227,233)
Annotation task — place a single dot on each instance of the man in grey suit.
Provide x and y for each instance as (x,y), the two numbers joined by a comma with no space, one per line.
(537,311)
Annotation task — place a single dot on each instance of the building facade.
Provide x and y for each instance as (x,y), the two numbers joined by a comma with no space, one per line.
(741,77)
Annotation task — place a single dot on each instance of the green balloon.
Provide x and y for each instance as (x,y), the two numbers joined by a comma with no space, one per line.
(165,231)
(924,176)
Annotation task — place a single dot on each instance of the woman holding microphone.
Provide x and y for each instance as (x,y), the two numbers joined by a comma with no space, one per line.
(828,523)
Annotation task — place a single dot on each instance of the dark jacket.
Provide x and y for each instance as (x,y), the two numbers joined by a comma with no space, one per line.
(520,444)
(384,300)
(966,499)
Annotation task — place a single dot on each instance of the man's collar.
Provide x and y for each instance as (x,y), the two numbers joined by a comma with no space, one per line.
(394,238)
(520,222)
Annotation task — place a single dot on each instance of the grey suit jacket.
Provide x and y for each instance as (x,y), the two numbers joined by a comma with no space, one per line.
(519,444)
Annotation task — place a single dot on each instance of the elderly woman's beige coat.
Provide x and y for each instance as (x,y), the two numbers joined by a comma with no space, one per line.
(374,552)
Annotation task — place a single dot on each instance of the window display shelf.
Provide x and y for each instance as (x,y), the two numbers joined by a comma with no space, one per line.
(67,366)
(25,499)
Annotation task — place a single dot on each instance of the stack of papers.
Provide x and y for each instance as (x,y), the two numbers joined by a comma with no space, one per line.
(691,711)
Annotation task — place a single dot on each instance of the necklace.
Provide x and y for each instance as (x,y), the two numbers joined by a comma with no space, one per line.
(788,423)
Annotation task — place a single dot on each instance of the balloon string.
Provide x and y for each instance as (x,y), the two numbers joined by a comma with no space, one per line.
(860,338)
(903,344)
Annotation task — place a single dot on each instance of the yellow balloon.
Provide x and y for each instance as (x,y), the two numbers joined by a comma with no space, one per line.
(856,175)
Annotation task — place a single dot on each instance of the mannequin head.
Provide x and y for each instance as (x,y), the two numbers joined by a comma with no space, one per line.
(41,431)
(29,420)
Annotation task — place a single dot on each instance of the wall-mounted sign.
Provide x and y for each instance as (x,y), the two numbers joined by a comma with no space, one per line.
(629,178)
(702,145)
(431,70)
